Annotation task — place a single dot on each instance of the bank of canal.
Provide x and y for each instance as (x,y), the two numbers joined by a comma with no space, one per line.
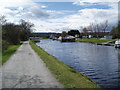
(69,77)
(98,62)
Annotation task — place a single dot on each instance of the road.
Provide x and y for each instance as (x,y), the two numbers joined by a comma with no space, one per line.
(25,69)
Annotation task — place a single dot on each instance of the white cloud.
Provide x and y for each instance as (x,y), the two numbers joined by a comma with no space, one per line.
(43,6)
(39,13)
(75,0)
(16,3)
(53,0)
(22,9)
(86,16)
(43,26)
(45,20)
(93,2)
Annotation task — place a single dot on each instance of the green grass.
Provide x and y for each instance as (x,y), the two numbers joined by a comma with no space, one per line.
(94,40)
(66,75)
(8,52)
(21,42)
(44,38)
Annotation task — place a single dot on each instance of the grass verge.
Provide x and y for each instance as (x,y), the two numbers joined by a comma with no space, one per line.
(8,52)
(63,73)
(94,40)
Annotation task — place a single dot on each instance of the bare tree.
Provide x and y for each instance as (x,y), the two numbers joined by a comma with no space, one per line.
(26,29)
(104,26)
(90,27)
(2,20)
(85,31)
(26,25)
(98,29)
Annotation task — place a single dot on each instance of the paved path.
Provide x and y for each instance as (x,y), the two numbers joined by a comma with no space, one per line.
(26,70)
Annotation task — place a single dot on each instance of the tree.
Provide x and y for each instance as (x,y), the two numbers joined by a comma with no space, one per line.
(73,32)
(85,31)
(2,20)
(115,32)
(13,33)
(63,34)
(97,29)
(26,29)
(90,27)
(10,33)
(26,25)
(104,26)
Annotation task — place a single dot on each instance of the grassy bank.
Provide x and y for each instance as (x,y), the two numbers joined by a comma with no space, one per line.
(94,40)
(8,52)
(63,73)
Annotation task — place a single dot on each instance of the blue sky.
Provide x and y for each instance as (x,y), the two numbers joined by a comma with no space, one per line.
(71,6)
(58,16)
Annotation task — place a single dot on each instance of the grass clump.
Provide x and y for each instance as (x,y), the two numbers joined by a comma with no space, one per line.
(63,73)
(6,53)
(94,40)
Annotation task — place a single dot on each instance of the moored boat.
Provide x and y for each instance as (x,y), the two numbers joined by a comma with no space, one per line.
(117,43)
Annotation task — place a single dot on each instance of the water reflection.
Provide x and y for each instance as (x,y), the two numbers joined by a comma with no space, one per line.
(99,62)
(119,68)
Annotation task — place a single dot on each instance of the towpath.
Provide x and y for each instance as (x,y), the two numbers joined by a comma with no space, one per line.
(25,69)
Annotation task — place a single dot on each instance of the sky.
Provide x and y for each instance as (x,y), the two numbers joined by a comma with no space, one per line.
(60,15)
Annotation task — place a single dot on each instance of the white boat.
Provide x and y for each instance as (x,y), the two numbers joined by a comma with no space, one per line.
(117,43)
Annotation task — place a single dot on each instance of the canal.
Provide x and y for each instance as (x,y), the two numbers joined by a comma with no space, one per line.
(101,63)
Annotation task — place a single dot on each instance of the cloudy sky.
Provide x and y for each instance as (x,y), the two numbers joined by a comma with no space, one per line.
(60,15)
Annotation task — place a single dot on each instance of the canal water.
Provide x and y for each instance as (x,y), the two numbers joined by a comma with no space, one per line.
(101,63)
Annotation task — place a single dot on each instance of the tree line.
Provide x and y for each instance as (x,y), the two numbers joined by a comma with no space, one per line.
(97,30)
(115,32)
(14,33)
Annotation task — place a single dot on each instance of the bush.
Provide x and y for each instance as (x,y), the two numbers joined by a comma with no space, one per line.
(5,44)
